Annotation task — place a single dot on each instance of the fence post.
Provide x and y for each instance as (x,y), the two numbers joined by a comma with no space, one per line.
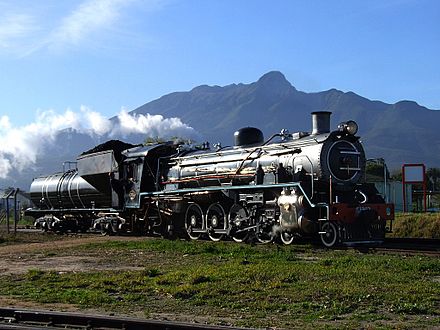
(7,208)
(15,210)
(7,214)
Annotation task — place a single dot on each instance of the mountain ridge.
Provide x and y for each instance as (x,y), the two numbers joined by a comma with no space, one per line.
(272,103)
(403,132)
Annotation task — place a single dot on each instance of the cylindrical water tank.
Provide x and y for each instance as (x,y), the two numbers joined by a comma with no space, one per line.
(66,191)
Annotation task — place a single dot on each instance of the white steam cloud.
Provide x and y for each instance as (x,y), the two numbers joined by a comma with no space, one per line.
(155,125)
(21,146)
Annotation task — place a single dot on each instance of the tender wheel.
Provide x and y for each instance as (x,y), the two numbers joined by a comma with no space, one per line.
(105,232)
(287,237)
(215,220)
(107,229)
(194,221)
(329,235)
(238,220)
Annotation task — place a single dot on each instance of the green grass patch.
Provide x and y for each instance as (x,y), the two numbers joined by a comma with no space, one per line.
(263,285)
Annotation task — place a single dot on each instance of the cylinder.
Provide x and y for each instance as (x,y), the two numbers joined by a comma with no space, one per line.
(320,122)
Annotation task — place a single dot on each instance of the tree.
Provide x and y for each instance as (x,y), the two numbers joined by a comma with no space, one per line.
(375,169)
(396,175)
(433,179)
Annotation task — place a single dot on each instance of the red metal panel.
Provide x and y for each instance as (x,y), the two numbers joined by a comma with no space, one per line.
(347,214)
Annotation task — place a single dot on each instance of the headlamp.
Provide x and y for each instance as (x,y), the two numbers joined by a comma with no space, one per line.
(349,127)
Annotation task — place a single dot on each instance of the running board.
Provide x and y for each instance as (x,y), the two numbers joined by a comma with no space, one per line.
(219,231)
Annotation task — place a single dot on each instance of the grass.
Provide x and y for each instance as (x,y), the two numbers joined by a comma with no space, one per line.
(21,221)
(423,225)
(260,286)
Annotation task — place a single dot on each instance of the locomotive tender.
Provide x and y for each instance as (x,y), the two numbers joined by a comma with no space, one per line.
(301,184)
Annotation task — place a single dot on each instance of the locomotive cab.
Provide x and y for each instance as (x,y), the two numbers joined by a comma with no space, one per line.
(144,169)
(132,169)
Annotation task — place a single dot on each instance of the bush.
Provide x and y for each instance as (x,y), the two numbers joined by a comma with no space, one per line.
(421,225)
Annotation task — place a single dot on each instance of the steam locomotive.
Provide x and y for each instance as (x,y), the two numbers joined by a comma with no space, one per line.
(291,185)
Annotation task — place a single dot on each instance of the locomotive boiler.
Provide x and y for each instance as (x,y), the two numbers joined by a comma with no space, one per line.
(291,185)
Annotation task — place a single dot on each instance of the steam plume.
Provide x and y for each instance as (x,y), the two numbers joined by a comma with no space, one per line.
(21,146)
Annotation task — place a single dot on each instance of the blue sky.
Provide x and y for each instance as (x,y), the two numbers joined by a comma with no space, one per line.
(113,54)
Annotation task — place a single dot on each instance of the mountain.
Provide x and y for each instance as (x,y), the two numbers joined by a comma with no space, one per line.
(404,132)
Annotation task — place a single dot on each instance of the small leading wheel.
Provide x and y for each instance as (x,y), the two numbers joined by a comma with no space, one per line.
(215,220)
(194,221)
(329,234)
(263,232)
(238,220)
(287,237)
(264,237)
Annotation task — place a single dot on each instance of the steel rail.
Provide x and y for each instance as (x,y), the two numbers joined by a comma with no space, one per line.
(414,240)
(420,244)
(407,246)
(39,319)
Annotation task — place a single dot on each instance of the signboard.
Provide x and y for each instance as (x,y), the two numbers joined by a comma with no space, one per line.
(413,173)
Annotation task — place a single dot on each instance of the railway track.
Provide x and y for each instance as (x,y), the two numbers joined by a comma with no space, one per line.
(425,246)
(431,244)
(428,246)
(419,246)
(33,319)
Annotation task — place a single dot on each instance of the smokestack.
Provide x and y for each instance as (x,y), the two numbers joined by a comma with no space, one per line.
(320,122)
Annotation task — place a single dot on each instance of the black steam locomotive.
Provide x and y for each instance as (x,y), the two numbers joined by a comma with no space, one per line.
(301,184)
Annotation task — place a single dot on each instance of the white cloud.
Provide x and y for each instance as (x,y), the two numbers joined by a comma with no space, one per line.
(53,121)
(5,124)
(20,147)
(96,122)
(90,23)
(14,28)
(87,18)
(5,167)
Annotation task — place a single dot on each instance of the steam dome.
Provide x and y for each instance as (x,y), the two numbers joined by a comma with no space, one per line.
(248,136)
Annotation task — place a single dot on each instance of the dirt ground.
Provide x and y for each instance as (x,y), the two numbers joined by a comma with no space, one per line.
(51,255)
(19,258)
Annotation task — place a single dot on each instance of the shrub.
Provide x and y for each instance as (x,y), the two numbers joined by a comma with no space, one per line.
(423,225)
